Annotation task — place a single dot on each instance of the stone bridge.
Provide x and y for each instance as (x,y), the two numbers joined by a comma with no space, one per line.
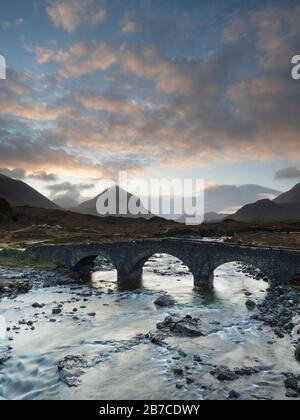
(201,257)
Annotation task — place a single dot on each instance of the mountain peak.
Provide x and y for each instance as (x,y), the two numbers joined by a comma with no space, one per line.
(290,197)
(90,206)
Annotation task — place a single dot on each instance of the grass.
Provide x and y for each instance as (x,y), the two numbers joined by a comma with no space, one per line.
(18,261)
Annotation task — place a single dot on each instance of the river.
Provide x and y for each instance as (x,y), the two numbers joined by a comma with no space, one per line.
(143,370)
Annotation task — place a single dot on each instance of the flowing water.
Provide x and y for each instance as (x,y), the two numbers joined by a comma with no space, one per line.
(144,370)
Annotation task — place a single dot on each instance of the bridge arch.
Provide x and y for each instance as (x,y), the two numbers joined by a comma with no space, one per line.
(250,262)
(141,263)
(85,264)
(134,267)
(205,275)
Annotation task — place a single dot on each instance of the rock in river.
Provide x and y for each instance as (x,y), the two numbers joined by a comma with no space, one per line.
(291,382)
(233,395)
(250,304)
(223,373)
(4,358)
(71,368)
(164,301)
(187,326)
(56,311)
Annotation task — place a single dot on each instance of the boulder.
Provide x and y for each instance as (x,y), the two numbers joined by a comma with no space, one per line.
(224,374)
(250,304)
(165,301)
(233,395)
(56,311)
(291,382)
(71,368)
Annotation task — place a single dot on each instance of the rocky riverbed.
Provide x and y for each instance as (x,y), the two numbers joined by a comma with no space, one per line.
(64,340)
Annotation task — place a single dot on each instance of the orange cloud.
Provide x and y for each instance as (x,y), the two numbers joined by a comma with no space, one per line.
(70,14)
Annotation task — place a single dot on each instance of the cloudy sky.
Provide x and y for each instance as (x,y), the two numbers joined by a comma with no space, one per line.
(159,88)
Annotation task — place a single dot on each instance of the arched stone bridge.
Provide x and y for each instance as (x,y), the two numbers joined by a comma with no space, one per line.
(202,258)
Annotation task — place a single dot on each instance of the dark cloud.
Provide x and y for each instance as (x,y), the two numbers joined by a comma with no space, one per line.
(67,194)
(13,173)
(288,173)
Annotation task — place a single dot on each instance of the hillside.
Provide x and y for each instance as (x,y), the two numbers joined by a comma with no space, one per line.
(267,211)
(292,196)
(6,212)
(17,193)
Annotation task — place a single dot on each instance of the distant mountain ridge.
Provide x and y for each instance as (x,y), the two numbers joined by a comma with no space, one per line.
(18,194)
(286,207)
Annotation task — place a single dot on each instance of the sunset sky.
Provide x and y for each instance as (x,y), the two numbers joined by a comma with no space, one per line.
(159,88)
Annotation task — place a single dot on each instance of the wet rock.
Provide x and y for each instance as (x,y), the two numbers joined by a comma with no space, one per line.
(182,354)
(23,287)
(279,309)
(11,285)
(157,341)
(233,395)
(71,368)
(56,311)
(279,333)
(187,326)
(4,358)
(291,382)
(290,393)
(92,314)
(223,373)
(165,301)
(250,304)
(188,329)
(178,371)
(37,305)
(246,371)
